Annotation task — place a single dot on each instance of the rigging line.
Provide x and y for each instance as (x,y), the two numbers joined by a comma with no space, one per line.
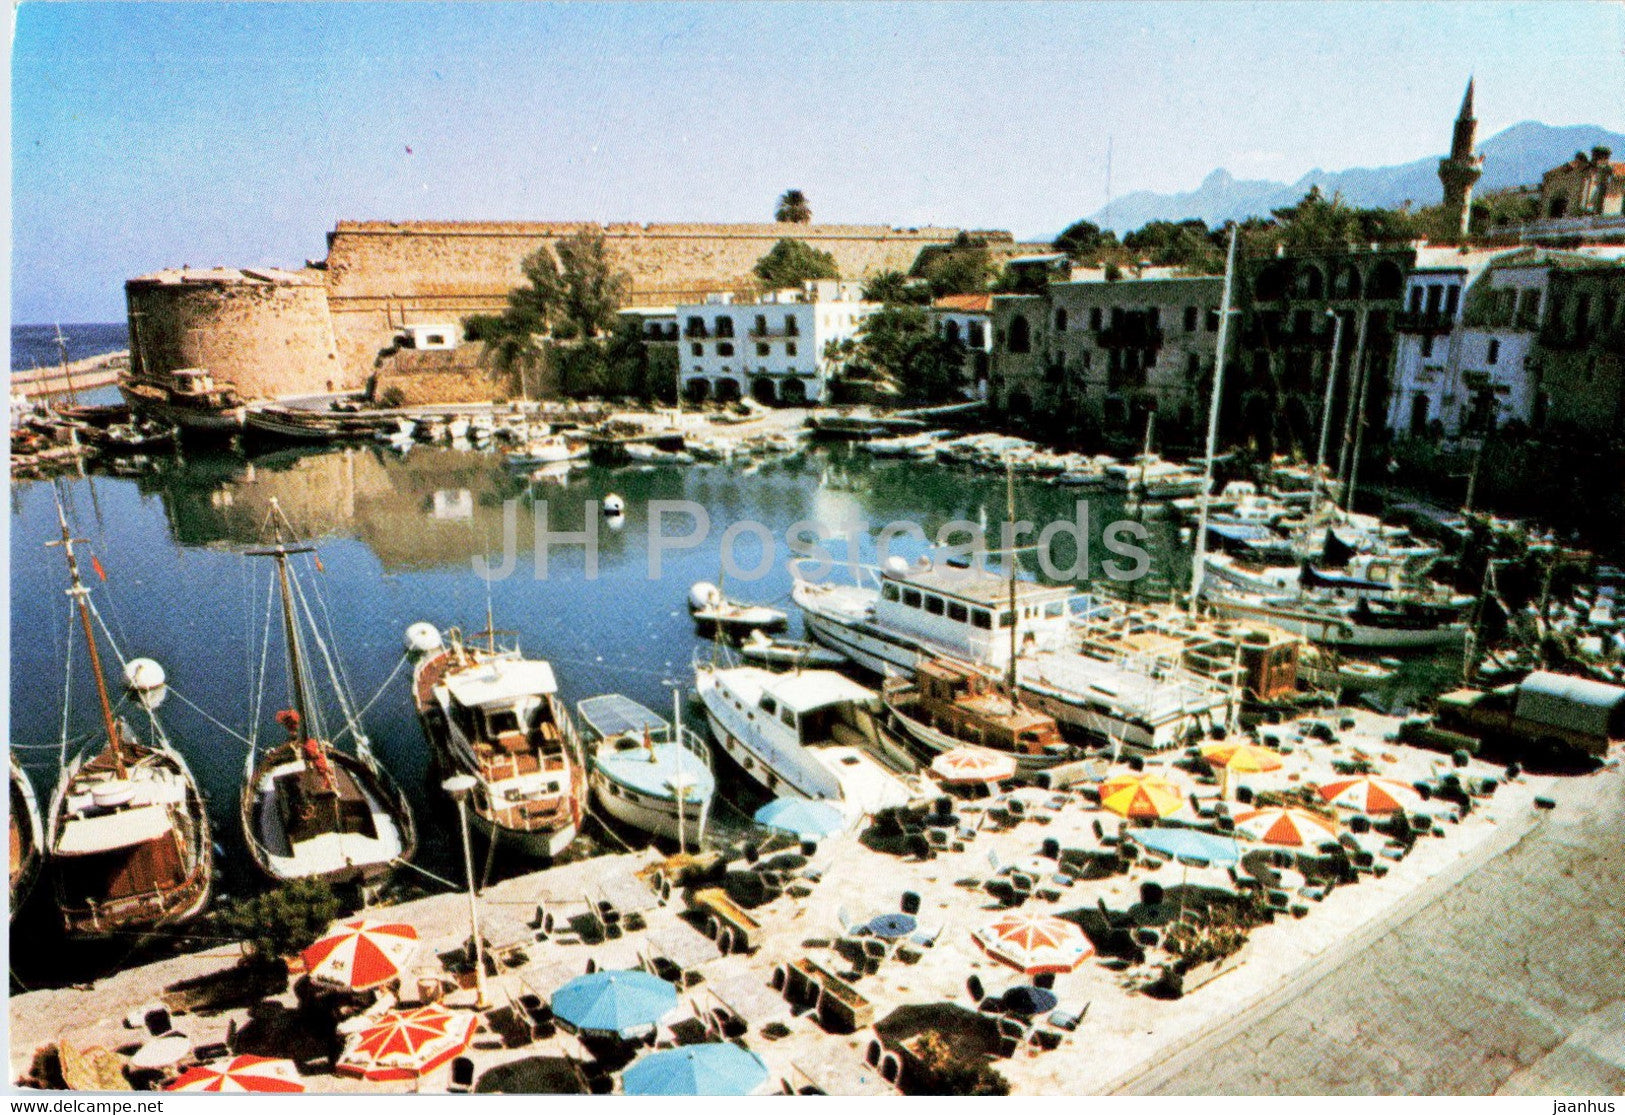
(490,859)
(366,708)
(447,883)
(67,694)
(233,733)
(257,697)
(345,706)
(327,618)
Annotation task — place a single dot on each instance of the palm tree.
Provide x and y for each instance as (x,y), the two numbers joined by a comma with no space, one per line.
(793,209)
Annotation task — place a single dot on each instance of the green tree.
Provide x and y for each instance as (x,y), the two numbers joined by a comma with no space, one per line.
(1085,241)
(1188,245)
(789,263)
(582,288)
(896,289)
(1317,223)
(284,921)
(898,344)
(963,267)
(793,208)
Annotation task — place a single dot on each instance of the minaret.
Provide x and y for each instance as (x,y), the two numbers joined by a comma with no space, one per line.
(1462,169)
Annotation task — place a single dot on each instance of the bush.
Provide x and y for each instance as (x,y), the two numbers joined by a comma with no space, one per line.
(940,1071)
(392,398)
(284,921)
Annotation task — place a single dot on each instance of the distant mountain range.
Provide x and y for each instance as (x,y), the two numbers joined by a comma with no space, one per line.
(1517,156)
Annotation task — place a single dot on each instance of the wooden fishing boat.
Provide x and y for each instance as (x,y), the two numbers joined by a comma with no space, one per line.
(27,846)
(309,809)
(951,704)
(128,832)
(495,715)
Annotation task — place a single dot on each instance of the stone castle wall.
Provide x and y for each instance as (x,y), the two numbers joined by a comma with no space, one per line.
(276,333)
(270,336)
(382,275)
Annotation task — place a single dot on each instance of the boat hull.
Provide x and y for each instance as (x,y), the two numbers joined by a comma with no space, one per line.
(935,742)
(219,423)
(1340,631)
(644,813)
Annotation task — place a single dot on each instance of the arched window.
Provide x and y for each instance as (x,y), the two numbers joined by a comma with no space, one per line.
(1386,280)
(1270,282)
(1308,282)
(1020,338)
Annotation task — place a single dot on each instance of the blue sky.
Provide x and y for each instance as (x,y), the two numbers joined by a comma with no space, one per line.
(148,135)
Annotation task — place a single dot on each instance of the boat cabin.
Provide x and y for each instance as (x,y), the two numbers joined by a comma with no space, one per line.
(503,708)
(320,798)
(969,705)
(967,612)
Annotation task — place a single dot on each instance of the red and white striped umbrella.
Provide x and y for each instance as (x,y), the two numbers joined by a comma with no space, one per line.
(1035,943)
(1369,794)
(243,1073)
(404,1045)
(1286,827)
(974,764)
(359,954)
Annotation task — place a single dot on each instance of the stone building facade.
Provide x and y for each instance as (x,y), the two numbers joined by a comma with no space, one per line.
(267,331)
(1102,355)
(1586,186)
(322,328)
(1582,350)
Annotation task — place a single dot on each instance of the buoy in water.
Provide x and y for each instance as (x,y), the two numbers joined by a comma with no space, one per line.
(614,505)
(146,682)
(422,638)
(703,595)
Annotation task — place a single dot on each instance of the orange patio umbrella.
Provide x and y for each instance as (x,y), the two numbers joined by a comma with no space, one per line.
(404,1045)
(1369,794)
(1035,943)
(1286,827)
(360,954)
(974,764)
(243,1073)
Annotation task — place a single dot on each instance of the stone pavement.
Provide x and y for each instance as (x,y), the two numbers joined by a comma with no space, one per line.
(1510,980)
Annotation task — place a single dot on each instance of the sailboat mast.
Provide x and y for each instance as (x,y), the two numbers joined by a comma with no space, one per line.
(62,352)
(1199,561)
(296,676)
(81,596)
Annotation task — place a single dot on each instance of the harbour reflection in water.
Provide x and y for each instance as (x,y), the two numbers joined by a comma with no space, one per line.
(398,537)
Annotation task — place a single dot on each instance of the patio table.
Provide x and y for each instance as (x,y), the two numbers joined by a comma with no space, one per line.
(889,927)
(1028,1000)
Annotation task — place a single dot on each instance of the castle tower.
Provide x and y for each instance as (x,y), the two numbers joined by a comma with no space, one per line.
(1462,169)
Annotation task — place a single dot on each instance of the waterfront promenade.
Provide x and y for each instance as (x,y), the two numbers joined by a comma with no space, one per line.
(1502,978)
(82,375)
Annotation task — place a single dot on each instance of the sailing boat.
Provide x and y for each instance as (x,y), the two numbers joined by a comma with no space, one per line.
(128,830)
(310,810)
(26,847)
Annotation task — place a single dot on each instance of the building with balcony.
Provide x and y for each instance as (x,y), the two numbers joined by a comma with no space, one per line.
(1103,355)
(772,349)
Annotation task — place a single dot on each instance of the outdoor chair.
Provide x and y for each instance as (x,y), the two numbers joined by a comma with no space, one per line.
(1008,1046)
(875,948)
(994,861)
(1049,891)
(462,1075)
(1012,1027)
(1045,980)
(908,952)
(927,937)
(1147,937)
(1278,900)
(1315,892)
(1046,1039)
(849,927)
(1065,1018)
(937,838)
(159,1022)
(910,902)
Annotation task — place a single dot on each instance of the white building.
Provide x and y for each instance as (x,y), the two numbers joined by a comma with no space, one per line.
(772,349)
(967,320)
(1465,353)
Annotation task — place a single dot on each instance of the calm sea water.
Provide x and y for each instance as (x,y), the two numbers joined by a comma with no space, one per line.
(35,345)
(396,541)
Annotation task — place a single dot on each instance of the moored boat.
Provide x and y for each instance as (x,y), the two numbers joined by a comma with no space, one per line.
(187,397)
(310,809)
(127,829)
(647,772)
(950,704)
(761,647)
(811,734)
(27,846)
(495,715)
(714,612)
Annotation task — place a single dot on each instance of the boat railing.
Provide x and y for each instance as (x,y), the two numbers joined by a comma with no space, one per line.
(105,915)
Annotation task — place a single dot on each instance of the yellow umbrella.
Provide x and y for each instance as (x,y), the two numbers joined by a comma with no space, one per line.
(1247,758)
(1141,796)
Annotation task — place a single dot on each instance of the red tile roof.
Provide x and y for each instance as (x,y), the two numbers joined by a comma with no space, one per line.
(965,303)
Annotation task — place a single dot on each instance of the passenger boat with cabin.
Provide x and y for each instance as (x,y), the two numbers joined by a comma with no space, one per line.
(894,619)
(646,772)
(811,734)
(495,715)
(950,704)
(127,829)
(27,847)
(310,809)
(188,397)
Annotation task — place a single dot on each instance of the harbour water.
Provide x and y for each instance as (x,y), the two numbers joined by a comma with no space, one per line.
(397,540)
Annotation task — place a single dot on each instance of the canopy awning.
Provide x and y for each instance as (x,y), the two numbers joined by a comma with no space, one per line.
(89,836)
(501,682)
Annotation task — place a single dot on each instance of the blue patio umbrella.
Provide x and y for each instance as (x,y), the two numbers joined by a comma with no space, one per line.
(1189,845)
(716,1069)
(624,1004)
(801,817)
